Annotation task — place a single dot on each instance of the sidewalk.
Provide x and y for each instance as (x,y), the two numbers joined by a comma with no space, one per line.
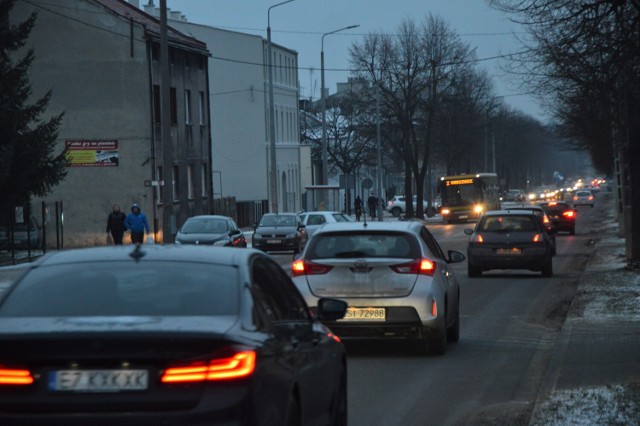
(594,374)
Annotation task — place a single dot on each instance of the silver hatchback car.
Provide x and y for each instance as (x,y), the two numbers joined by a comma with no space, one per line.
(394,276)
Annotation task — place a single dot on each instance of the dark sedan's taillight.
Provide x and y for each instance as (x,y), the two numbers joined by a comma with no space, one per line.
(569,214)
(306,267)
(15,376)
(419,266)
(236,366)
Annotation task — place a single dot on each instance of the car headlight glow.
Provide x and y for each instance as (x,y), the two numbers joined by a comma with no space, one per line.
(445,212)
(478,209)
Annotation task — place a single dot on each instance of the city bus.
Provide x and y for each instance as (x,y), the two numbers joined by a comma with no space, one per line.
(468,196)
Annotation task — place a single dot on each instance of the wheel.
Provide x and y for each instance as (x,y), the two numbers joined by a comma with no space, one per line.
(293,413)
(436,340)
(396,211)
(473,271)
(453,332)
(547,269)
(339,409)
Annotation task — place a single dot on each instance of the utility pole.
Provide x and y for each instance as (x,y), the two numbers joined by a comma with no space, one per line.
(165,134)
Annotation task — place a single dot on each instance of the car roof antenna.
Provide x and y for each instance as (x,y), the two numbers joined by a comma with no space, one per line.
(137,253)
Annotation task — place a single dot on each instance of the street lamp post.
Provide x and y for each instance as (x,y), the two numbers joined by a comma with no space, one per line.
(273,169)
(325,159)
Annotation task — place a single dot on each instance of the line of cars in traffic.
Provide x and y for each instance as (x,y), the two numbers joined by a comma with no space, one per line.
(182,334)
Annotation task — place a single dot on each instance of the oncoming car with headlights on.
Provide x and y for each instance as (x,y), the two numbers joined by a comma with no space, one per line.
(166,335)
(394,276)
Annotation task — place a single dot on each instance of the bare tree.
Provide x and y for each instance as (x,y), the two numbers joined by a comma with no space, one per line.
(412,72)
(585,56)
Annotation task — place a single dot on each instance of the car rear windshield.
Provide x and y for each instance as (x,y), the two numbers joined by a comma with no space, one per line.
(277,220)
(507,223)
(204,226)
(125,289)
(363,244)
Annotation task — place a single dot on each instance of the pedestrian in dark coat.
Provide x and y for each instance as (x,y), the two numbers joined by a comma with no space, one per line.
(115,224)
(357,205)
(137,223)
(372,203)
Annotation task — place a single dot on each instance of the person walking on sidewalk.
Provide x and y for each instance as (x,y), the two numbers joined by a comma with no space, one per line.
(357,205)
(372,203)
(137,223)
(115,224)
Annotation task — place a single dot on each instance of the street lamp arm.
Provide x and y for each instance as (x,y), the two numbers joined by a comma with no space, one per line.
(336,31)
(271,7)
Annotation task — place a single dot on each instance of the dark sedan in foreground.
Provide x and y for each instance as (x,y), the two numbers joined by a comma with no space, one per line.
(164,335)
(509,240)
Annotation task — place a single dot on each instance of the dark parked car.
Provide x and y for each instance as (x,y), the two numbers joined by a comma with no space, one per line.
(211,230)
(509,240)
(562,215)
(24,237)
(394,275)
(280,232)
(166,335)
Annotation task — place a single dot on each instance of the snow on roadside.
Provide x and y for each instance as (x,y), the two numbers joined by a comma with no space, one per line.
(610,405)
(608,291)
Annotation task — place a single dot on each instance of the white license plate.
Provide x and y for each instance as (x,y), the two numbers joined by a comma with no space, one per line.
(509,252)
(365,314)
(464,216)
(274,241)
(98,380)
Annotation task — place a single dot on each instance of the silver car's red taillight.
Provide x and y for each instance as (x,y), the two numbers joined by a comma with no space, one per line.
(305,267)
(419,266)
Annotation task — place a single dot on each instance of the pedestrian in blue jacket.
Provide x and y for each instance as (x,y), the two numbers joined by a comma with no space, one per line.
(137,223)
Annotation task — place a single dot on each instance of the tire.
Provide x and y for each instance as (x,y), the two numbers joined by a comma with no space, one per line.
(473,271)
(436,341)
(547,269)
(293,413)
(453,332)
(396,211)
(339,409)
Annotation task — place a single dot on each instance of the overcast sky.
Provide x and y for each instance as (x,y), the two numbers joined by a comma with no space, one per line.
(299,25)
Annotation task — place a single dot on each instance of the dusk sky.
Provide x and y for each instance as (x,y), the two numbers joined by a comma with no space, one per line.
(299,25)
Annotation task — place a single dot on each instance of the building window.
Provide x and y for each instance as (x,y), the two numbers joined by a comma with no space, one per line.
(203,181)
(187,106)
(175,183)
(174,106)
(187,61)
(155,52)
(190,182)
(202,109)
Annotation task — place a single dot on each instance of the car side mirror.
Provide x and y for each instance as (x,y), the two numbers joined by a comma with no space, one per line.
(331,309)
(234,232)
(456,256)
(468,231)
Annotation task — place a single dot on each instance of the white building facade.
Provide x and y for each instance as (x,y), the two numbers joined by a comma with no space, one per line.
(239,99)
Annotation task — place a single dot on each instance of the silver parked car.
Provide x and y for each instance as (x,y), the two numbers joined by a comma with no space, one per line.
(394,276)
(314,220)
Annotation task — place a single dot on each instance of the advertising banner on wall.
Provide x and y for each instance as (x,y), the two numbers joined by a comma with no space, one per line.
(92,153)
